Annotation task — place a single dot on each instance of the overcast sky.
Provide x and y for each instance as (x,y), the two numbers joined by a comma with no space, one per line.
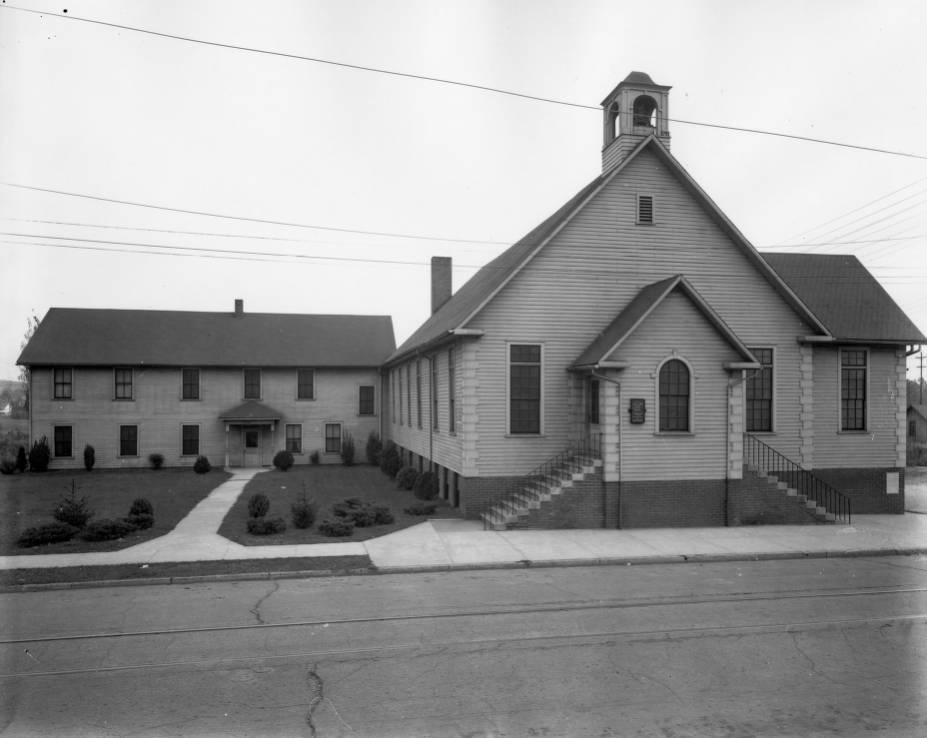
(113,113)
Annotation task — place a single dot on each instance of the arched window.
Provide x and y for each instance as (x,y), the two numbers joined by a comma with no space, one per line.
(674,396)
(613,126)
(645,111)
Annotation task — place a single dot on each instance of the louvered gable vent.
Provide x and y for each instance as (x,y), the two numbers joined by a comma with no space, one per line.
(645,209)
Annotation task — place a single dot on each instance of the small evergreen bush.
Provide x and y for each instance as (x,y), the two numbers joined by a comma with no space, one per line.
(156,461)
(382,515)
(421,508)
(73,510)
(283,460)
(347,450)
(426,486)
(374,448)
(40,455)
(106,529)
(7,466)
(314,458)
(303,512)
(48,533)
(201,465)
(90,457)
(406,477)
(141,506)
(266,526)
(336,528)
(22,462)
(362,514)
(142,521)
(258,505)
(390,461)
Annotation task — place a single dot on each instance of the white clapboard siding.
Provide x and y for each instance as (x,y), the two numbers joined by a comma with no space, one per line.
(590,271)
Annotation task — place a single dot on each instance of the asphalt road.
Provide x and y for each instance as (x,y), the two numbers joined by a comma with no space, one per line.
(774,648)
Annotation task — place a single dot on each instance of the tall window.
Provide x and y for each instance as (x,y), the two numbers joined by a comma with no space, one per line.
(525,388)
(418,392)
(392,393)
(409,394)
(190,440)
(333,438)
(451,393)
(399,388)
(63,384)
(853,368)
(594,402)
(674,396)
(63,440)
(123,383)
(305,384)
(190,384)
(760,392)
(252,384)
(294,438)
(366,396)
(434,392)
(128,440)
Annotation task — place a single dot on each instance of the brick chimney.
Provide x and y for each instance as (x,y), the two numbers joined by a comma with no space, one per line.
(239,308)
(441,287)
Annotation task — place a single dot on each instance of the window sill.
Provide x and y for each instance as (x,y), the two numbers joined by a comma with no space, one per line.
(123,399)
(190,399)
(854,433)
(63,399)
(524,435)
(765,434)
(675,434)
(305,399)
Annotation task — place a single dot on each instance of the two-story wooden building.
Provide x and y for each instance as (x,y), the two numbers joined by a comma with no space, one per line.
(235,387)
(636,344)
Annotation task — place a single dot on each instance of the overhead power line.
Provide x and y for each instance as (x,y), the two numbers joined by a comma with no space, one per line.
(264,221)
(444,81)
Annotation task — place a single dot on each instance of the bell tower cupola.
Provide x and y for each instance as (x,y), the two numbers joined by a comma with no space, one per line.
(635,109)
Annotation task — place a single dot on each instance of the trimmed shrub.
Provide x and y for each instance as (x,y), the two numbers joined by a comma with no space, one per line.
(142,521)
(141,506)
(156,461)
(90,457)
(106,529)
(201,465)
(390,461)
(303,512)
(266,526)
(421,508)
(382,515)
(73,510)
(347,450)
(426,486)
(48,533)
(283,460)
(40,455)
(22,463)
(374,448)
(314,457)
(406,477)
(336,528)
(7,466)
(258,505)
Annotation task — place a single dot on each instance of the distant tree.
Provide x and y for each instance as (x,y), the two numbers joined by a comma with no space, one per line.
(32,323)
(914,392)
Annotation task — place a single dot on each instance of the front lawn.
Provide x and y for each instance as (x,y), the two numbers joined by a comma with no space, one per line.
(326,485)
(28,499)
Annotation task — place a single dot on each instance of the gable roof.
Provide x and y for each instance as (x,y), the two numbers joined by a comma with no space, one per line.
(91,337)
(486,283)
(643,304)
(846,297)
(250,411)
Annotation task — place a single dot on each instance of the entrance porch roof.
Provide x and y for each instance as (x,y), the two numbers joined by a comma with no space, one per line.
(251,411)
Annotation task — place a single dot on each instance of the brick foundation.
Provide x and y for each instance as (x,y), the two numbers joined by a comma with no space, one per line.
(866,488)
(670,503)
(756,501)
(579,506)
(478,494)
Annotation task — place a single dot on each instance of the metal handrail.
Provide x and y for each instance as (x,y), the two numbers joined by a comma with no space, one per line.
(767,460)
(551,469)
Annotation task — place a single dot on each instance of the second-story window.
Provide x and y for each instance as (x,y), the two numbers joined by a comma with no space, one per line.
(366,400)
(305,384)
(418,392)
(122,379)
(63,384)
(190,384)
(451,393)
(252,384)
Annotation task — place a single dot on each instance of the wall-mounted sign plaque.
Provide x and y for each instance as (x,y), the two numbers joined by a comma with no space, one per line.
(638,410)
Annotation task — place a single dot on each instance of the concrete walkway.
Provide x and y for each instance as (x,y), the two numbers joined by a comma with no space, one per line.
(463,544)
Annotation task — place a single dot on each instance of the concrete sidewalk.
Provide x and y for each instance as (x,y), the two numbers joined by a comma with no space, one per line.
(445,544)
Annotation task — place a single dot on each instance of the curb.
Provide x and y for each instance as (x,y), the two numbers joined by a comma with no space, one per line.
(374,570)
